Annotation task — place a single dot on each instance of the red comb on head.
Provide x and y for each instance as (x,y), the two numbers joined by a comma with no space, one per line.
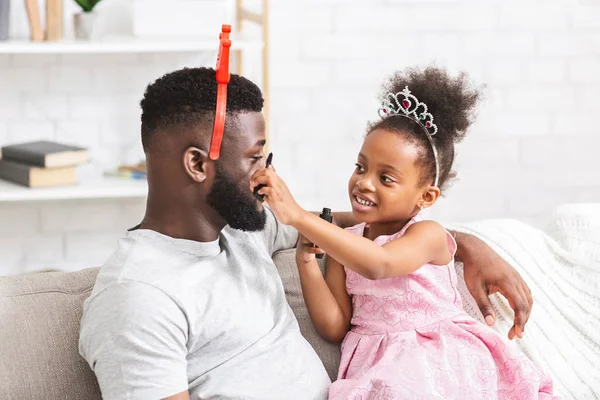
(222,77)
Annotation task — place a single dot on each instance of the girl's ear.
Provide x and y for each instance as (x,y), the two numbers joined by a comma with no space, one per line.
(429,197)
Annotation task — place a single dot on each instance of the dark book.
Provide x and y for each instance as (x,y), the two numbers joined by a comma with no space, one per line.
(32,176)
(46,154)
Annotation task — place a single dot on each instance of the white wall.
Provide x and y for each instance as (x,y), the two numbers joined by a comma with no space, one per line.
(535,141)
(533,146)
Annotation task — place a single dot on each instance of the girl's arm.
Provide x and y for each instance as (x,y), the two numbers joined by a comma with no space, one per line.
(327,301)
(424,242)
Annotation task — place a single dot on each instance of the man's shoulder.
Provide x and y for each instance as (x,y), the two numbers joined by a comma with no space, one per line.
(128,294)
(136,267)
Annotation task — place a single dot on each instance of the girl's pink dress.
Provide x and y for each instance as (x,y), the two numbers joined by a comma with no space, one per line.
(411,339)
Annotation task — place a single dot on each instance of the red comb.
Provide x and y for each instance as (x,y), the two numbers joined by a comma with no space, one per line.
(222,77)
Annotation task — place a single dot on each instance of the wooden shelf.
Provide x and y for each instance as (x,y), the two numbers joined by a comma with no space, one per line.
(122,45)
(96,188)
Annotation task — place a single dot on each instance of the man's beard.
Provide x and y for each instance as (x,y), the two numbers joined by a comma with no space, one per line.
(237,205)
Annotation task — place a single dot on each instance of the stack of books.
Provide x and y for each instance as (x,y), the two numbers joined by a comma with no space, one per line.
(42,163)
(135,172)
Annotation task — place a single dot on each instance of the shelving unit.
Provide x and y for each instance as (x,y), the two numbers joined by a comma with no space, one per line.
(95,188)
(121,188)
(116,45)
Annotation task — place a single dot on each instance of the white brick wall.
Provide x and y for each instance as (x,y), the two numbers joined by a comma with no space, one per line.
(532,147)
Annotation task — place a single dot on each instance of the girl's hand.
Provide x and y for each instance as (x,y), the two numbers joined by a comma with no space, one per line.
(306,251)
(277,195)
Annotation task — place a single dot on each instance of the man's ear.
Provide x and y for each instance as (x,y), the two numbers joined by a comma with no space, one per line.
(196,163)
(429,197)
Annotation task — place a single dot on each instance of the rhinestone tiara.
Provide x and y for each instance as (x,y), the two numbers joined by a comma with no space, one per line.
(405,104)
(410,106)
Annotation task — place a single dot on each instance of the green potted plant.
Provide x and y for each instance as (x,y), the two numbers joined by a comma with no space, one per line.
(84,22)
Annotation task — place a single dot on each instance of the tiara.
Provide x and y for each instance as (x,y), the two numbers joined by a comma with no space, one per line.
(410,107)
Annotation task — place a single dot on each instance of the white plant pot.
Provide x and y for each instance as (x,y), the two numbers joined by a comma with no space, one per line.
(85,25)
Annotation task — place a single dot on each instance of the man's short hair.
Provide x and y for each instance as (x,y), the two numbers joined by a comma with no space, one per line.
(187,98)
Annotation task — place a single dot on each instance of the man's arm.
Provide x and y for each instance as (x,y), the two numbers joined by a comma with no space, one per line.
(487,273)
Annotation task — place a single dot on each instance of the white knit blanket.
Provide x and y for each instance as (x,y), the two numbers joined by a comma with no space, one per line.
(563,332)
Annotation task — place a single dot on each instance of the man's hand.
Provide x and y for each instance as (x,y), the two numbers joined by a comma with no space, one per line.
(487,273)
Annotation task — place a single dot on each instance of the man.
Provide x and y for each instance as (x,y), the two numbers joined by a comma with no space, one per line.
(190,305)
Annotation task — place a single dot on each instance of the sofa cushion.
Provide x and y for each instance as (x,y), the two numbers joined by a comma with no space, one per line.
(39,334)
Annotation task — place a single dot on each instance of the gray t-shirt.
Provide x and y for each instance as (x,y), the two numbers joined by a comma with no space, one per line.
(168,315)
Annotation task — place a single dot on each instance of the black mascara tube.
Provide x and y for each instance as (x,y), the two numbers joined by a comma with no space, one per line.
(257,188)
(326,215)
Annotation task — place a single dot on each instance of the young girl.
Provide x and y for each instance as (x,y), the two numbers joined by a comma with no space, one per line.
(390,286)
